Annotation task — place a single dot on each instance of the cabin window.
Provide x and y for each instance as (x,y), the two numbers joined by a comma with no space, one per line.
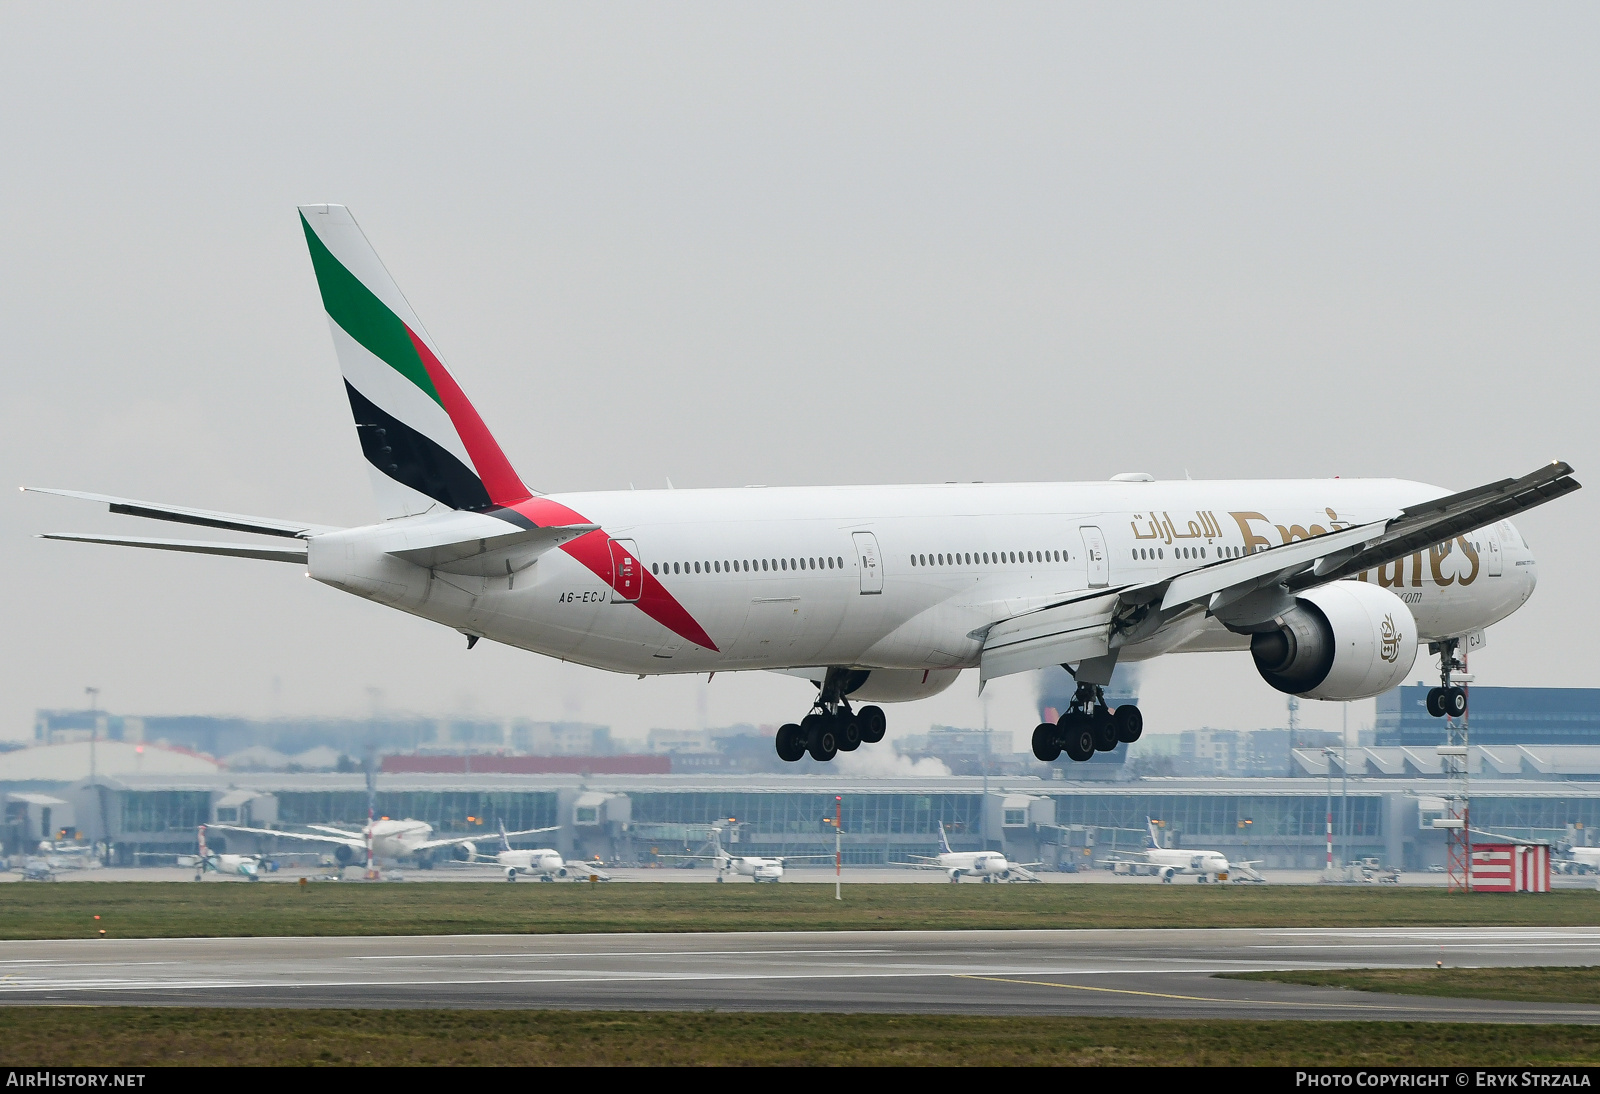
(653,568)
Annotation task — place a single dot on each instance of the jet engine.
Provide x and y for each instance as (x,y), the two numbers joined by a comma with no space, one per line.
(955,875)
(1341,641)
(344,854)
(465,851)
(511,873)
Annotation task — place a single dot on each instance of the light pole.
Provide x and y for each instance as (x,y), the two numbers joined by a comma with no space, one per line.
(1327,754)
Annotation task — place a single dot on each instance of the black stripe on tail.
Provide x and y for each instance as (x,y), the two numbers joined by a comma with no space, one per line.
(413,459)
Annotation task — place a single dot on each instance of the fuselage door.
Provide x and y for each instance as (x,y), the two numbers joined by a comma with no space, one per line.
(1491,547)
(871,563)
(1094,554)
(627,576)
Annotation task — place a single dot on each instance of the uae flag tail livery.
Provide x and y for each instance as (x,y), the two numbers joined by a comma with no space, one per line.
(425,441)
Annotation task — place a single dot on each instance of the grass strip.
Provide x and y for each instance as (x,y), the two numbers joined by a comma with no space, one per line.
(227,909)
(153,1036)
(1536,984)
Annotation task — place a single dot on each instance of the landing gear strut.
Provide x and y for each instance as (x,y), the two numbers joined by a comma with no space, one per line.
(832,727)
(1087,726)
(1447,700)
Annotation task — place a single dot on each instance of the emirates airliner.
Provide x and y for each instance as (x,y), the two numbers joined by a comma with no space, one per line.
(880,594)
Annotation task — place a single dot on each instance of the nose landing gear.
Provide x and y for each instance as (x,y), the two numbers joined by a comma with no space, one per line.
(831,727)
(1087,726)
(1447,700)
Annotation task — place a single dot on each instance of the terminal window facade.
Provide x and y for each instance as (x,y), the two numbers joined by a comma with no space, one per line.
(447,811)
(769,815)
(1534,817)
(164,810)
(1213,816)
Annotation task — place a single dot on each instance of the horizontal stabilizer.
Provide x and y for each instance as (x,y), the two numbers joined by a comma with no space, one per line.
(206,518)
(194,547)
(480,545)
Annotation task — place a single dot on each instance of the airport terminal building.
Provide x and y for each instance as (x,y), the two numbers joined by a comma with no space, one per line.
(631,819)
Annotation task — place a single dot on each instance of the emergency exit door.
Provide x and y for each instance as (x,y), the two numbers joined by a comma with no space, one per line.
(627,576)
(870,561)
(1094,554)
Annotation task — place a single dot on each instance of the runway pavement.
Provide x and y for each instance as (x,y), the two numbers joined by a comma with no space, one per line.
(1145,973)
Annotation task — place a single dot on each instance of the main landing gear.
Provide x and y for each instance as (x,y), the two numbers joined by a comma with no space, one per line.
(1087,726)
(1447,700)
(831,727)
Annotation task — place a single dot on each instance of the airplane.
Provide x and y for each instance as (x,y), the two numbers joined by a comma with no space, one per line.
(544,862)
(245,866)
(384,839)
(1169,862)
(754,867)
(879,594)
(989,866)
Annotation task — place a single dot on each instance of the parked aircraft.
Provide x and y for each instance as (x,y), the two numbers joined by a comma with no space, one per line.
(246,866)
(545,863)
(880,593)
(1168,862)
(754,867)
(387,840)
(987,865)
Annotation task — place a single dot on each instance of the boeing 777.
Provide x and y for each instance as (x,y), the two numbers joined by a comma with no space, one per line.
(879,594)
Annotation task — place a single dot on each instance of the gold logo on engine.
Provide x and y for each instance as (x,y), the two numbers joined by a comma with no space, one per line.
(1391,640)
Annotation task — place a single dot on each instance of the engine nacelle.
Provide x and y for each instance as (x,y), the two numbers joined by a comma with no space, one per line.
(344,854)
(1345,640)
(465,851)
(903,685)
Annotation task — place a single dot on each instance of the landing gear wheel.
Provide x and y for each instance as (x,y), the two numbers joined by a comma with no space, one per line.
(1454,701)
(1104,730)
(848,728)
(791,743)
(824,743)
(1076,736)
(1435,702)
(1129,723)
(873,723)
(1045,746)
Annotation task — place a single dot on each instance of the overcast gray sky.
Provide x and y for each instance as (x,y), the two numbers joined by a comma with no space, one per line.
(782,244)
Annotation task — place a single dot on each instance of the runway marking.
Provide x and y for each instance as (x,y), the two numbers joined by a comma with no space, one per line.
(605,953)
(1185,998)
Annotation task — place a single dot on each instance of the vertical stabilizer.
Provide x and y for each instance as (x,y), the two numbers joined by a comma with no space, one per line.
(944,843)
(425,441)
(1151,834)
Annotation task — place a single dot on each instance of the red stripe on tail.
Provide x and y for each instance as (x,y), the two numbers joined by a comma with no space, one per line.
(500,479)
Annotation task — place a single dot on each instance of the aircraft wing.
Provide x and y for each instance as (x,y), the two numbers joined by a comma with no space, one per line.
(456,841)
(309,837)
(1257,586)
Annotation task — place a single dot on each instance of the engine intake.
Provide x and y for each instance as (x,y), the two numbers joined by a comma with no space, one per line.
(1347,640)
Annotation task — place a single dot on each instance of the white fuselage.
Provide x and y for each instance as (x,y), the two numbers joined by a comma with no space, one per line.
(902,578)
(1171,860)
(538,862)
(757,869)
(984,864)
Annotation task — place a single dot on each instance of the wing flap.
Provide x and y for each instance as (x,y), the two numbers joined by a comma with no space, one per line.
(295,554)
(1243,575)
(1055,635)
(206,518)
